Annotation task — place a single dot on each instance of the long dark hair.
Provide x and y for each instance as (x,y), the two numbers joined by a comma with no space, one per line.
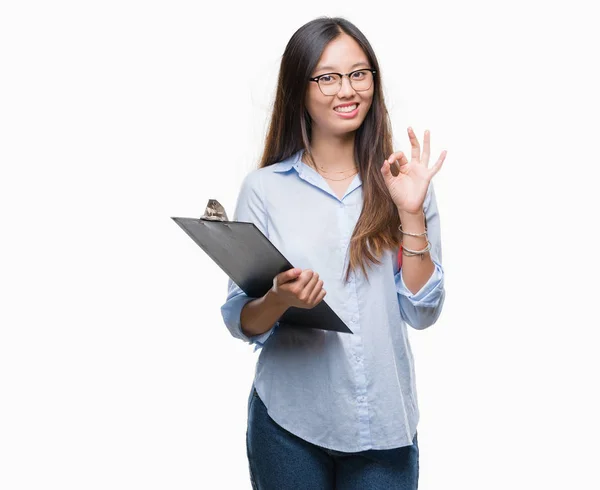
(290,131)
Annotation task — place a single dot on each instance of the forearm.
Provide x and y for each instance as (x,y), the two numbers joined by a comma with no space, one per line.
(416,270)
(260,314)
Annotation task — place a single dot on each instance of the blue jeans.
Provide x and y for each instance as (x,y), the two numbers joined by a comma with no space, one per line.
(279,460)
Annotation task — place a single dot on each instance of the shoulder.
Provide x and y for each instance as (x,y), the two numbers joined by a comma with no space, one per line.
(258,178)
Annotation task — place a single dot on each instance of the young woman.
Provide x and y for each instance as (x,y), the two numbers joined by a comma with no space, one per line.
(332,410)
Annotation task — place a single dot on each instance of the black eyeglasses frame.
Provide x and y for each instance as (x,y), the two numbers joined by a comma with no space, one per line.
(342,75)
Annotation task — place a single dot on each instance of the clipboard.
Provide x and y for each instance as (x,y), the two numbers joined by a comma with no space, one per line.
(251,261)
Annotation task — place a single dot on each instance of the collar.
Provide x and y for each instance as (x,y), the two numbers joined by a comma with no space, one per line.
(288,163)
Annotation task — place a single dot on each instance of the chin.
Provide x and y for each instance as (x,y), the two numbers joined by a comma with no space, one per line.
(340,127)
(348,127)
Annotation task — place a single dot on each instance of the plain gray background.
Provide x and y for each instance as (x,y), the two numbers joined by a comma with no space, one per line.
(116,370)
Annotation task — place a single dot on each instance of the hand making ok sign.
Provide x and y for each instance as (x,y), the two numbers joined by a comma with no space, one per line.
(408,186)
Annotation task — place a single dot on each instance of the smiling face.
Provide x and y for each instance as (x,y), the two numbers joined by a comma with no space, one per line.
(329,117)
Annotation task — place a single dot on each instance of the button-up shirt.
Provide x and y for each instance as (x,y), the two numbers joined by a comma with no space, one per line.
(347,392)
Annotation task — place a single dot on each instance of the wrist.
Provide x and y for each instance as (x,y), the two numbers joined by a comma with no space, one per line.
(412,220)
(273,299)
(418,212)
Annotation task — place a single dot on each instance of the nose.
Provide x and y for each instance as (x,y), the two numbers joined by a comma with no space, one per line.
(346,89)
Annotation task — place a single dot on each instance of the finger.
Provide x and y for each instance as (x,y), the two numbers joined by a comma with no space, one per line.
(402,165)
(438,165)
(322,294)
(426,148)
(402,161)
(308,288)
(397,161)
(316,291)
(388,170)
(415,151)
(303,279)
(397,155)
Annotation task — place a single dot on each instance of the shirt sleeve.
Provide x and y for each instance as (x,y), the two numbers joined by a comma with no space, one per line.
(250,209)
(422,309)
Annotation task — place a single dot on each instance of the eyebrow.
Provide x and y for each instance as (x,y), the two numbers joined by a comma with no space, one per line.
(319,68)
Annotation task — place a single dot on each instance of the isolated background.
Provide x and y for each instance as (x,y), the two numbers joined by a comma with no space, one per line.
(116,370)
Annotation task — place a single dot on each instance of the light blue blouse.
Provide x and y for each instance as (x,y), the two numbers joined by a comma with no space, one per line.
(347,392)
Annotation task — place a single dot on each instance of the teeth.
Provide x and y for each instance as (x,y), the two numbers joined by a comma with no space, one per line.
(348,108)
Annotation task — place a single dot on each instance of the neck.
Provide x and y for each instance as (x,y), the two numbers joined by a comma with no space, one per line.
(333,153)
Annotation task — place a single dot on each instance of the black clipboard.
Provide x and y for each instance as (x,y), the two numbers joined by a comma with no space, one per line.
(247,256)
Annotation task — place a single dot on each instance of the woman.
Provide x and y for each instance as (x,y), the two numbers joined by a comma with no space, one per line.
(332,410)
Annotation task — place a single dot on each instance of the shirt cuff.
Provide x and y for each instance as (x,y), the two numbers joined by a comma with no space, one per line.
(429,294)
(232,312)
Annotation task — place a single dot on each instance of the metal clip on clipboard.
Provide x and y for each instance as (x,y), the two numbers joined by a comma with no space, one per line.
(214,211)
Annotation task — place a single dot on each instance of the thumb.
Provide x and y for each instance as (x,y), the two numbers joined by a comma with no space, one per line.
(385,170)
(289,275)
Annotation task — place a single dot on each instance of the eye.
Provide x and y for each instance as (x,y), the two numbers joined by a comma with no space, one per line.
(328,79)
(359,75)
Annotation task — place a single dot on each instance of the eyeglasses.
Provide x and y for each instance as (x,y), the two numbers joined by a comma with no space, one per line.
(331,83)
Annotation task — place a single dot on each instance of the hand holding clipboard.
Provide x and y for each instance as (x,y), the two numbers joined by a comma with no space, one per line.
(247,256)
